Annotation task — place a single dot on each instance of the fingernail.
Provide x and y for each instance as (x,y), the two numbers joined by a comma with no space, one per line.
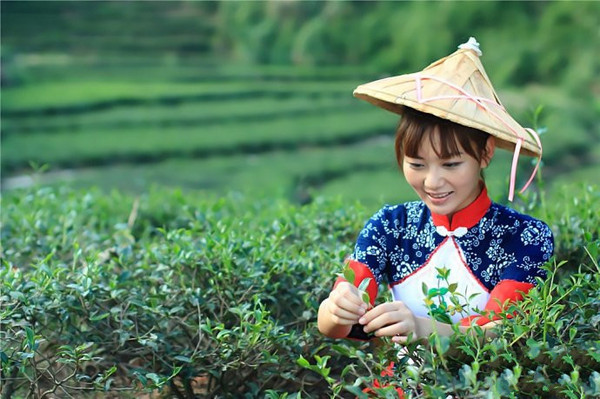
(362,320)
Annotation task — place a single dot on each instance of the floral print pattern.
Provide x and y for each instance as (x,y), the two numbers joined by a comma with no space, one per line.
(503,245)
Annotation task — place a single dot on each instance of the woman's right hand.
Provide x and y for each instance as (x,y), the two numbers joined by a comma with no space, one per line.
(345,305)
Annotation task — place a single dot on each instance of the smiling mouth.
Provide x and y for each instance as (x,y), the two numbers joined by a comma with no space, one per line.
(439,196)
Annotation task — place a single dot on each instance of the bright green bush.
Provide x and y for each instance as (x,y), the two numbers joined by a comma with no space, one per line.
(218,298)
(105,292)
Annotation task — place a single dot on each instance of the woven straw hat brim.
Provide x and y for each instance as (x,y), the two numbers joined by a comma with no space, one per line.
(455,88)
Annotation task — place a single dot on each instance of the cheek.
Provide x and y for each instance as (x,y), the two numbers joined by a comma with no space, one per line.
(469,177)
(411,177)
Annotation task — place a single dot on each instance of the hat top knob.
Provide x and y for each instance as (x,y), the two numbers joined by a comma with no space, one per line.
(472,44)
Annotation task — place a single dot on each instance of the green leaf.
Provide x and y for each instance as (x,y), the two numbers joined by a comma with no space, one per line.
(99,317)
(154,377)
(349,275)
(364,284)
(572,333)
(443,273)
(365,297)
(442,344)
(303,362)
(452,287)
(424,288)
(356,391)
(30,337)
(534,348)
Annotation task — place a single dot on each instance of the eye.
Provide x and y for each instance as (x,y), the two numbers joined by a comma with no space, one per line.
(452,164)
(415,165)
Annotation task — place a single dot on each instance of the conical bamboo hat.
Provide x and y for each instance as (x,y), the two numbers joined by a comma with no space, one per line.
(455,88)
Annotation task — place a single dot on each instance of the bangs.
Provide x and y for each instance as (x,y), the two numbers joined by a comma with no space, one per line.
(452,139)
(448,144)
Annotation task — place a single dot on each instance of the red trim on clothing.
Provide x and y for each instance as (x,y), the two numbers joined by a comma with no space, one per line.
(361,272)
(468,268)
(503,294)
(466,217)
(462,260)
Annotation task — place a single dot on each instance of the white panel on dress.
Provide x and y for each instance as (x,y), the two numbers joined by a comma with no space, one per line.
(447,255)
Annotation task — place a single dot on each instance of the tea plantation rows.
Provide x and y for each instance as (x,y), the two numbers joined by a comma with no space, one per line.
(112,295)
(263,131)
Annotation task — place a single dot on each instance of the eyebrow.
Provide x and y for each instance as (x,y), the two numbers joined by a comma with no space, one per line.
(450,157)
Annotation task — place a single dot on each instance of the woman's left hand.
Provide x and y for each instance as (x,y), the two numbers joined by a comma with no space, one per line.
(391,319)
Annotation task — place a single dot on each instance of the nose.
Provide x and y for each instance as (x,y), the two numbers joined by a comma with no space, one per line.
(434,179)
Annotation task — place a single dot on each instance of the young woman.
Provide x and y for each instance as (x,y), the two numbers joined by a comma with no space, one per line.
(451,124)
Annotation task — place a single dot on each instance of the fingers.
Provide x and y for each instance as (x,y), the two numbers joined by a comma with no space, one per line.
(344,304)
(386,313)
(392,319)
(349,295)
(399,339)
(344,311)
(400,329)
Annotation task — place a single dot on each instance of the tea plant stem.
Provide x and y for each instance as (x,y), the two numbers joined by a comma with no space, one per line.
(9,388)
(187,385)
(200,334)
(175,390)
(594,261)
(59,383)
(548,298)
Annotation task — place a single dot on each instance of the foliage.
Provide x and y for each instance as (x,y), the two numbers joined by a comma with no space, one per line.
(119,294)
(548,348)
(547,41)
(106,292)
(218,297)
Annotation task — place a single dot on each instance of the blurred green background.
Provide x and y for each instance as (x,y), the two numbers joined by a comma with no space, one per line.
(256,97)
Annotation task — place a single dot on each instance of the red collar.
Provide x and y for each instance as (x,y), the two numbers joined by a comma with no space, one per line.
(466,217)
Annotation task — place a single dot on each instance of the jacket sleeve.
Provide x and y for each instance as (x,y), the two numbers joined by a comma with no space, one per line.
(533,246)
(501,297)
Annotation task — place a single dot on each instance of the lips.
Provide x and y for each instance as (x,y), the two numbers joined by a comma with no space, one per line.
(439,195)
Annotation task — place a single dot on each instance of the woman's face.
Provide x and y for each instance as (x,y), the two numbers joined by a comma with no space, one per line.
(445,185)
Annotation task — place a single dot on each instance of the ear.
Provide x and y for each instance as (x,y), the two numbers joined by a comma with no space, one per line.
(490,147)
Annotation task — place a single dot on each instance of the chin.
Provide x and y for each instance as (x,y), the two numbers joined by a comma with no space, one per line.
(440,211)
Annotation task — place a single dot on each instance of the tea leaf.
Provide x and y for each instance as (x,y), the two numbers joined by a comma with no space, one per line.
(366,297)
(452,287)
(349,275)
(364,284)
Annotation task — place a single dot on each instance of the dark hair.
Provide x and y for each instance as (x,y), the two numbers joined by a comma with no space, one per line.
(414,126)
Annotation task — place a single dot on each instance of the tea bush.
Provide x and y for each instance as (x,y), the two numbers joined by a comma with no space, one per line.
(111,295)
(216,297)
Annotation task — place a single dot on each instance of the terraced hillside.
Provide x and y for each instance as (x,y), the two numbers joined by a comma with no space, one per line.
(90,108)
